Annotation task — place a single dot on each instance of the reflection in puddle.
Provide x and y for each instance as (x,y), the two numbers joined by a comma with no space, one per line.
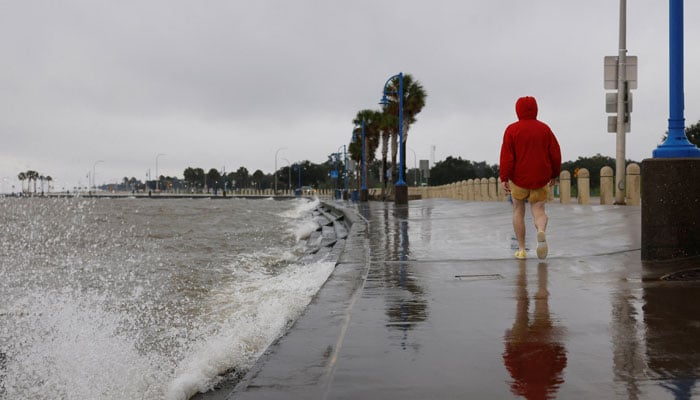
(406,306)
(673,328)
(534,352)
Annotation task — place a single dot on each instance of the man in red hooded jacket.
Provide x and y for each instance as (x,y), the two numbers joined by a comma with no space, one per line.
(530,162)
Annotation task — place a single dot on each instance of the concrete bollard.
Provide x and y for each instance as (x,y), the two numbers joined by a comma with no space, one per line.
(493,195)
(484,189)
(633,185)
(477,189)
(607,187)
(470,189)
(501,191)
(564,187)
(583,184)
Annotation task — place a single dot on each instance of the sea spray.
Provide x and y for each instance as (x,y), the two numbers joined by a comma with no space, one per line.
(145,298)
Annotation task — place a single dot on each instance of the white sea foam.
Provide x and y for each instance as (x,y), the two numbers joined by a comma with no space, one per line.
(302,227)
(304,207)
(72,348)
(253,326)
(305,229)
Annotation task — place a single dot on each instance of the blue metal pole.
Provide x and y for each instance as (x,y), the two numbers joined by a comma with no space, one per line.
(345,169)
(364,162)
(336,192)
(337,179)
(676,144)
(402,152)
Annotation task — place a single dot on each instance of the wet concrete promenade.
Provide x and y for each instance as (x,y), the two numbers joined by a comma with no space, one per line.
(427,302)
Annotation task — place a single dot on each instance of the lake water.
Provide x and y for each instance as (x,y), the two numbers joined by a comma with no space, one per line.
(145,298)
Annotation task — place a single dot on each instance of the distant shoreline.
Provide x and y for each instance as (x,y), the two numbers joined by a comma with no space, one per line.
(127,195)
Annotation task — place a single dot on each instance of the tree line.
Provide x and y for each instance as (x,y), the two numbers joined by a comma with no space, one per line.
(381,127)
(35,176)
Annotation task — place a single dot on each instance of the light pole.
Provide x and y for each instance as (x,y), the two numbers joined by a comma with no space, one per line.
(289,174)
(345,173)
(93,173)
(157,178)
(676,144)
(363,190)
(337,160)
(401,190)
(299,165)
(278,150)
(415,167)
(223,179)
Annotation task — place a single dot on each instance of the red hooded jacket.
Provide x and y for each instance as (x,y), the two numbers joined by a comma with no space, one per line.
(530,154)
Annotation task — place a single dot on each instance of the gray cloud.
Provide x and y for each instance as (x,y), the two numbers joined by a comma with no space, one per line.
(226,83)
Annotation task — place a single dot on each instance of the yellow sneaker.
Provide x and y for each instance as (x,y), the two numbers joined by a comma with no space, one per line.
(521,254)
(542,248)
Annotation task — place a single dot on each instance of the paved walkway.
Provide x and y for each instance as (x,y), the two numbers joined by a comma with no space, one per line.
(427,302)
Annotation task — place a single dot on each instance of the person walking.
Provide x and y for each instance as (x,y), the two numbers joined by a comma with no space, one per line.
(530,162)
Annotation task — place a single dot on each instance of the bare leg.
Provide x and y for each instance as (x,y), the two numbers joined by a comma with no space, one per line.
(519,222)
(539,215)
(540,218)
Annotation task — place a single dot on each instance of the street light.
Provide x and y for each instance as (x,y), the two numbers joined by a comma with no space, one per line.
(401,195)
(345,172)
(289,174)
(363,190)
(223,178)
(415,167)
(278,150)
(157,179)
(93,174)
(676,144)
(337,160)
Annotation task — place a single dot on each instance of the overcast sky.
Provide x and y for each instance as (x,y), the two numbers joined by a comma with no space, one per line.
(217,83)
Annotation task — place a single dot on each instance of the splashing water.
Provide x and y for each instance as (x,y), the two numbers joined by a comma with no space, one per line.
(145,299)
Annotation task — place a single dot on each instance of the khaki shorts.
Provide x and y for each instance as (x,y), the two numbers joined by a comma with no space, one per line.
(533,195)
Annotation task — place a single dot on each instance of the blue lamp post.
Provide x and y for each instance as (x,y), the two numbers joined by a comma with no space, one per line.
(676,144)
(363,190)
(400,188)
(337,172)
(345,173)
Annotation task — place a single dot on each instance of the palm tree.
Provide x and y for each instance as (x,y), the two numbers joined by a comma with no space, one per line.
(413,102)
(132,183)
(372,120)
(49,179)
(385,132)
(32,175)
(22,177)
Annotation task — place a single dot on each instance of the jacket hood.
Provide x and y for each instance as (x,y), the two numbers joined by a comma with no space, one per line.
(526,108)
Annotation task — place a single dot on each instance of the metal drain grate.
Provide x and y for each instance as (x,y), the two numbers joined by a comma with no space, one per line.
(479,277)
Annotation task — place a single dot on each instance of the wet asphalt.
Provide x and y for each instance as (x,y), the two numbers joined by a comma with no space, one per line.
(427,302)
